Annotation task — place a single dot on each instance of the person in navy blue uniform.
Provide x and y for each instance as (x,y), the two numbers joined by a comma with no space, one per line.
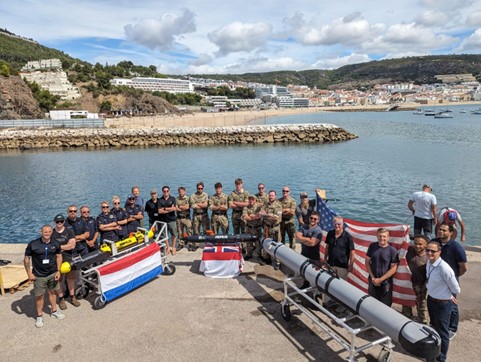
(135,215)
(107,222)
(453,253)
(122,217)
(139,201)
(92,227)
(167,208)
(77,225)
(46,258)
(152,207)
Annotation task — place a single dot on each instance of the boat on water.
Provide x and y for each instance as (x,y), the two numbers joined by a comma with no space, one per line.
(444,114)
(418,111)
(429,112)
(462,111)
(476,111)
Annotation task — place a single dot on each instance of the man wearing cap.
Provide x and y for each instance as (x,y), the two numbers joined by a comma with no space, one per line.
(135,215)
(152,207)
(237,202)
(167,210)
(304,209)
(251,216)
(46,257)
(139,201)
(449,216)
(65,237)
(218,205)
(423,205)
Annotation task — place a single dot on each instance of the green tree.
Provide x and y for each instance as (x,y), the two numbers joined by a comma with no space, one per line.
(4,69)
(45,99)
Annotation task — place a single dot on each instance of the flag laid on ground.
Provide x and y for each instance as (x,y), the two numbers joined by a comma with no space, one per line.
(129,272)
(363,234)
(221,261)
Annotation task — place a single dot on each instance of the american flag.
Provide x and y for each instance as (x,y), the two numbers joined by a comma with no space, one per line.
(363,234)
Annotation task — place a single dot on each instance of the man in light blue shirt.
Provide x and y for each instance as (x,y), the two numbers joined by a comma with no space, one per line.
(442,286)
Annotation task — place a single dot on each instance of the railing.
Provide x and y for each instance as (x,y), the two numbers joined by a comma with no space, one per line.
(53,123)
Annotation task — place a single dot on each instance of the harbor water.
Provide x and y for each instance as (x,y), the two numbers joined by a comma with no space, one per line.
(371,178)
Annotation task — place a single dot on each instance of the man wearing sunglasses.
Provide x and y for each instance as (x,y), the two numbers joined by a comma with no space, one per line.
(442,287)
(66,239)
(199,201)
(288,219)
(77,225)
(107,222)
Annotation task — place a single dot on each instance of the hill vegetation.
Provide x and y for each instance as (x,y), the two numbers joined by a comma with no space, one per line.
(94,80)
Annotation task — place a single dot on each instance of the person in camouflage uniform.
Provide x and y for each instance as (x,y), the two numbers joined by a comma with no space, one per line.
(253,220)
(237,202)
(219,206)
(199,201)
(184,224)
(288,222)
(271,216)
(262,197)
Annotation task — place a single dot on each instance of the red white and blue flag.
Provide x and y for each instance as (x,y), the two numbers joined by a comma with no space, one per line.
(221,261)
(363,234)
(130,272)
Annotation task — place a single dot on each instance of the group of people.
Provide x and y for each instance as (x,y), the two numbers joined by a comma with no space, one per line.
(435,264)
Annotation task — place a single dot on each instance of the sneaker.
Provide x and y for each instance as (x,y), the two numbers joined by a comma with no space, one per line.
(75,302)
(39,322)
(58,315)
(62,304)
(452,334)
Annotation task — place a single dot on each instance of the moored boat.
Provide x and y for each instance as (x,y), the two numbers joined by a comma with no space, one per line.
(418,111)
(444,114)
(429,112)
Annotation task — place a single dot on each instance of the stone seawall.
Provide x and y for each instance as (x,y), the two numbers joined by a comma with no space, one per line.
(145,137)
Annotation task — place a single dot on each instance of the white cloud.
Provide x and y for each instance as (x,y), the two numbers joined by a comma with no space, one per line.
(348,30)
(431,18)
(202,59)
(161,33)
(474,19)
(472,43)
(240,37)
(337,62)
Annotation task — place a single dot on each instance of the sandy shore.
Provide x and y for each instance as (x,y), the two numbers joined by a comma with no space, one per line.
(187,316)
(203,119)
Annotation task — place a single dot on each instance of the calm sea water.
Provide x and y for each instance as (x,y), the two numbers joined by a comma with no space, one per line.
(372,177)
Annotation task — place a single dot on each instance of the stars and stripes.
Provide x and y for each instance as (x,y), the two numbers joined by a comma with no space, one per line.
(363,234)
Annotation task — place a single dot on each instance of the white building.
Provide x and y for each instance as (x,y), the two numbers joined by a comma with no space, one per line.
(43,64)
(56,82)
(71,114)
(156,84)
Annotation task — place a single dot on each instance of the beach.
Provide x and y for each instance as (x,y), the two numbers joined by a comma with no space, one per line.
(187,316)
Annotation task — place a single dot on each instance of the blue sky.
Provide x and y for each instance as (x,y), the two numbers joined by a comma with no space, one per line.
(192,37)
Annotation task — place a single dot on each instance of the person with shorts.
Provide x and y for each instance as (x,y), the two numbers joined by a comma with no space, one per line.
(46,258)
(423,205)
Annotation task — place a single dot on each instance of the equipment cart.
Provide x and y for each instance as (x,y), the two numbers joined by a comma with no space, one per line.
(353,324)
(127,269)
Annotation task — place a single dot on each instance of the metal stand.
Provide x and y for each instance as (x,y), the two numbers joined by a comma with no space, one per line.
(292,295)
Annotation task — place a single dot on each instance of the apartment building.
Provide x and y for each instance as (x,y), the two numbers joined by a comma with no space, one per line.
(156,84)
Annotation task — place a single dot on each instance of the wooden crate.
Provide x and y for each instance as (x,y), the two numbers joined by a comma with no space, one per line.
(13,278)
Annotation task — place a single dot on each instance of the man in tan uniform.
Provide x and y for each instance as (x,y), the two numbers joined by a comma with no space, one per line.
(237,202)
(288,217)
(262,197)
(199,201)
(184,224)
(271,216)
(251,216)
(219,206)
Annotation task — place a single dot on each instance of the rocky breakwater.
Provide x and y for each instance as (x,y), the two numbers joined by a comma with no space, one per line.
(147,137)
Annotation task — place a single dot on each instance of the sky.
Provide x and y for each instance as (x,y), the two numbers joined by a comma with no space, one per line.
(210,36)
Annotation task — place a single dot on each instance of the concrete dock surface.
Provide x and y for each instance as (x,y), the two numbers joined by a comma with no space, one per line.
(187,317)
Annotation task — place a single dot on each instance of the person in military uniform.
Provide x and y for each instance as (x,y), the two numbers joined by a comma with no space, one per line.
(122,217)
(288,222)
(262,197)
(271,217)
(135,215)
(92,227)
(219,206)
(79,228)
(107,222)
(184,224)
(237,202)
(199,201)
(253,220)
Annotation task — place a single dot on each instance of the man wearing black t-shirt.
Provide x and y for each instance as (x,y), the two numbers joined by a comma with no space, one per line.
(46,258)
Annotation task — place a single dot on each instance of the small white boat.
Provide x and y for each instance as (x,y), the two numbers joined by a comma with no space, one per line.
(462,111)
(429,112)
(418,111)
(476,111)
(444,114)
